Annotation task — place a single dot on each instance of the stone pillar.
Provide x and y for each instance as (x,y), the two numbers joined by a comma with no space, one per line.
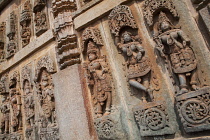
(70,107)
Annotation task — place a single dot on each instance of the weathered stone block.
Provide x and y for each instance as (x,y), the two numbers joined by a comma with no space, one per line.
(194,110)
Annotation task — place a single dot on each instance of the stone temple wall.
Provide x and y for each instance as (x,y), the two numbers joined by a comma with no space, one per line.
(104,69)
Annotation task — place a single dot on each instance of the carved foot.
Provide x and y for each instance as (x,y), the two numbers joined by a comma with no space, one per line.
(195,87)
(182,91)
(144,100)
(106,113)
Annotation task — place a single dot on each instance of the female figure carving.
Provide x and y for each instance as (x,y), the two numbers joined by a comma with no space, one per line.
(173,43)
(137,63)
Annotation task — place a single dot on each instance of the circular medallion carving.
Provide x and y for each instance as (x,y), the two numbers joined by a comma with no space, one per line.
(155,118)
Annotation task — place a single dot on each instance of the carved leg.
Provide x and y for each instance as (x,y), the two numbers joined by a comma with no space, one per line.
(146,83)
(138,85)
(108,103)
(193,80)
(183,83)
(6,127)
(99,110)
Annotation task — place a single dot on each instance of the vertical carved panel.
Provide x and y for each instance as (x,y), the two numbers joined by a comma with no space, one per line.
(48,127)
(2,41)
(15,101)
(5,106)
(29,102)
(100,83)
(175,48)
(25,22)
(67,51)
(12,46)
(140,73)
(98,74)
(41,21)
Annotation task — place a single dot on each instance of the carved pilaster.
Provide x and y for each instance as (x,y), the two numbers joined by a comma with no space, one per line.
(41,17)
(2,41)
(12,46)
(47,127)
(25,22)
(67,50)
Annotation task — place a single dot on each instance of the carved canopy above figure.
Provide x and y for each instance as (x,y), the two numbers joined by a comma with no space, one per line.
(120,17)
(44,62)
(91,33)
(152,6)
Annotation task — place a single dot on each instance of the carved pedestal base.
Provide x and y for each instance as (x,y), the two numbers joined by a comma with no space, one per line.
(4,136)
(109,127)
(49,134)
(152,119)
(194,110)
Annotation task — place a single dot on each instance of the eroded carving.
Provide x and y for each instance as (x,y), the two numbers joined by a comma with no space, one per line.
(120,17)
(5,105)
(67,52)
(12,35)
(200,3)
(138,64)
(152,119)
(25,22)
(15,100)
(2,41)
(97,73)
(45,90)
(175,46)
(151,6)
(193,109)
(29,102)
(41,22)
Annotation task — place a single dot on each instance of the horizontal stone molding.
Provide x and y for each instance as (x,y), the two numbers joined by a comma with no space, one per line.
(27,51)
(96,12)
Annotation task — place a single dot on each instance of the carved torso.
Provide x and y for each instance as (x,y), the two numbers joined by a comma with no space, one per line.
(138,64)
(182,57)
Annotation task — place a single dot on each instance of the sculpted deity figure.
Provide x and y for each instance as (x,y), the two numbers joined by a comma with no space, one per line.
(138,64)
(25,34)
(29,104)
(15,101)
(174,44)
(5,110)
(99,79)
(11,47)
(47,98)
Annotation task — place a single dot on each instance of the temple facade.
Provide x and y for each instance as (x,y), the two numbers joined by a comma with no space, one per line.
(104,70)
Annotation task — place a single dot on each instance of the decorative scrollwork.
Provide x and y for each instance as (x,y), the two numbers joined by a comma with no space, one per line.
(120,17)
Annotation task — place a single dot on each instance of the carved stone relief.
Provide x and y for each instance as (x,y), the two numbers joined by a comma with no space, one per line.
(67,51)
(41,21)
(12,46)
(48,127)
(140,73)
(97,72)
(5,105)
(25,22)
(175,48)
(15,101)
(153,119)
(2,41)
(29,102)
(200,3)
